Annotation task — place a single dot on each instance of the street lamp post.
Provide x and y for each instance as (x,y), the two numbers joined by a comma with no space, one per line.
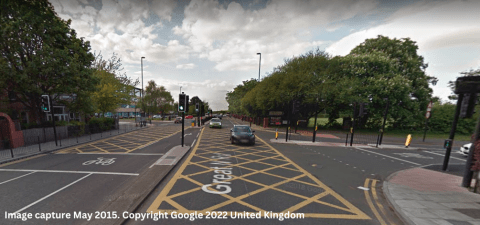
(259,62)
(141,93)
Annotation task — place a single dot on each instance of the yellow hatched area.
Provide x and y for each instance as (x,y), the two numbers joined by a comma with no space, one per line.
(271,161)
(125,143)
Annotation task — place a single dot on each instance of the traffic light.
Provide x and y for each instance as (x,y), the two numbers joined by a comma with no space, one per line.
(181,102)
(45,103)
(467,108)
(448,143)
(187,104)
(363,109)
(296,107)
(196,107)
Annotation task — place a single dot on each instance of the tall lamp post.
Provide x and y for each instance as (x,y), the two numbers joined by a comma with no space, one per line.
(141,93)
(259,62)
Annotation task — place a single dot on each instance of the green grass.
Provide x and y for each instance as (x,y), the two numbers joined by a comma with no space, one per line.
(393,133)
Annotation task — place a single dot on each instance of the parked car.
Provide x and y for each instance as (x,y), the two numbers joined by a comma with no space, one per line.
(189,117)
(242,134)
(157,116)
(215,122)
(178,120)
(465,148)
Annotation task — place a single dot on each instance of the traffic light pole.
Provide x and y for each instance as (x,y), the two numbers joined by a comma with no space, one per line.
(353,122)
(468,174)
(384,121)
(53,120)
(452,132)
(315,123)
(183,127)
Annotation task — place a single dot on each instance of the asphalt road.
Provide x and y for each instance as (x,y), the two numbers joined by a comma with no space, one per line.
(143,173)
(329,185)
(92,179)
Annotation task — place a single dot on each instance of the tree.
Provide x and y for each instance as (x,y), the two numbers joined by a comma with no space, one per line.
(157,99)
(41,54)
(115,88)
(390,68)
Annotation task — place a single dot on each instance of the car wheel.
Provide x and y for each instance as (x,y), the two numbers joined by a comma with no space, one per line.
(232,140)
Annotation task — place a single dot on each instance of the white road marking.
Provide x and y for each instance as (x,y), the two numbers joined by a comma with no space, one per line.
(413,155)
(39,200)
(193,143)
(86,153)
(16,178)
(389,156)
(66,171)
(363,188)
(444,155)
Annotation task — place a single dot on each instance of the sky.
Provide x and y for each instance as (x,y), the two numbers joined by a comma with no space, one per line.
(208,47)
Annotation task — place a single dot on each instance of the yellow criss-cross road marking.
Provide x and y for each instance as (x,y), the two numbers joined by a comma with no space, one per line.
(210,144)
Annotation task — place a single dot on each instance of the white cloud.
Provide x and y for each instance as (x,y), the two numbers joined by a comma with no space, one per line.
(231,36)
(186,66)
(443,31)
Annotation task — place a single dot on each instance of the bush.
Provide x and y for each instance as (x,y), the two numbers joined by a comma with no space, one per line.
(101,124)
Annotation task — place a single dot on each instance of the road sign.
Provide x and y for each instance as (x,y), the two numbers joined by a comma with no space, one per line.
(429,110)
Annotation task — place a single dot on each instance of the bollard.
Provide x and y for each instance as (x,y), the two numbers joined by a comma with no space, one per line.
(11,150)
(60,138)
(378,139)
(39,148)
(276,134)
(409,139)
(346,140)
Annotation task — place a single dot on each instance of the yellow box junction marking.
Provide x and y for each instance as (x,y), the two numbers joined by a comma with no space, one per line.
(201,151)
(125,143)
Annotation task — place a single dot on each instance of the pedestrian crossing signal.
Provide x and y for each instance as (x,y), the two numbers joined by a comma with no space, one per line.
(45,103)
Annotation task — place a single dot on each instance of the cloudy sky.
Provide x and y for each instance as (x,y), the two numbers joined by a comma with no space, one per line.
(210,46)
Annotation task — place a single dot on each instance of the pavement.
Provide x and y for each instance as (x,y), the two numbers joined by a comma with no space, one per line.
(422,196)
(419,195)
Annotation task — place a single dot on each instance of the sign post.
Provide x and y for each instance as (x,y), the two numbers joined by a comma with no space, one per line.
(427,116)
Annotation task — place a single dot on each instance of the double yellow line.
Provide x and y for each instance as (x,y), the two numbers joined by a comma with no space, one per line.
(378,205)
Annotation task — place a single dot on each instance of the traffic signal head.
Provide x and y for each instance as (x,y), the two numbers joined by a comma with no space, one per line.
(448,143)
(467,107)
(181,102)
(187,100)
(45,103)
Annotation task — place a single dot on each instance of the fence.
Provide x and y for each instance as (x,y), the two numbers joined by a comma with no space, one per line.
(43,139)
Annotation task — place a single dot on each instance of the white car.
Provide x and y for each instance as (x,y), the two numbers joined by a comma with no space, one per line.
(465,148)
(157,116)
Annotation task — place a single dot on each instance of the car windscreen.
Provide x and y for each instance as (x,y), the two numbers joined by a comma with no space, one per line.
(241,129)
(216,120)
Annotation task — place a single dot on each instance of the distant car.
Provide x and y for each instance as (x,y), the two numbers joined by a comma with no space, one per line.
(189,117)
(178,120)
(215,122)
(242,134)
(157,116)
(465,148)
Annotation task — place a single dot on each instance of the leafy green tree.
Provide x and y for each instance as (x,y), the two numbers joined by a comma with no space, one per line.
(234,98)
(157,99)
(40,54)
(390,68)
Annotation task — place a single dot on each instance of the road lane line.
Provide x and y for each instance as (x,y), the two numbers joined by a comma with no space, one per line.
(17,178)
(444,155)
(39,200)
(375,197)
(193,143)
(66,171)
(369,201)
(118,153)
(389,156)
